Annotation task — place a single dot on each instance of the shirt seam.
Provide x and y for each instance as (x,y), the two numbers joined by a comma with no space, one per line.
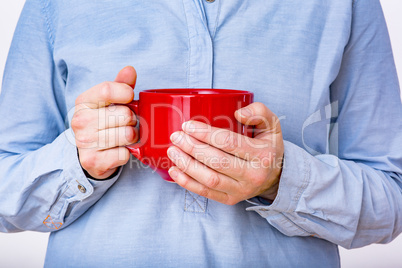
(57,200)
(292,206)
(189,47)
(216,21)
(297,226)
(48,23)
(306,181)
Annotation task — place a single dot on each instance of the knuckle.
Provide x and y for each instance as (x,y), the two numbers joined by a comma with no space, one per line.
(204,191)
(192,148)
(224,163)
(75,123)
(80,120)
(127,114)
(105,90)
(83,139)
(87,161)
(79,143)
(129,133)
(184,183)
(213,181)
(230,142)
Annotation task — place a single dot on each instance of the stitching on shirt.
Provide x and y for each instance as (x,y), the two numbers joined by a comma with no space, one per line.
(57,200)
(195,200)
(48,24)
(49,223)
(217,19)
(189,46)
(297,226)
(306,177)
(190,208)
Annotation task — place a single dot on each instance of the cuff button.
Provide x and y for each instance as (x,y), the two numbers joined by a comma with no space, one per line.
(82,189)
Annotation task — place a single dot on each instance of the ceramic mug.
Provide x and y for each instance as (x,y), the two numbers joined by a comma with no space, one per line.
(160,112)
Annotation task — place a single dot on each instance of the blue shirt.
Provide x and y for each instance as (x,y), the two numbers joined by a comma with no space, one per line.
(324,67)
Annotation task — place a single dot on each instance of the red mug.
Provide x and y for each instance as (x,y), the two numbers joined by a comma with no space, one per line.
(160,112)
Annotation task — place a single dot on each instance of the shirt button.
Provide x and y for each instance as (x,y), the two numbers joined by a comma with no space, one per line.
(210,1)
(82,189)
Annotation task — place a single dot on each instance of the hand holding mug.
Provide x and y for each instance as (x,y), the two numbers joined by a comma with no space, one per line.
(229,167)
(101,129)
(161,112)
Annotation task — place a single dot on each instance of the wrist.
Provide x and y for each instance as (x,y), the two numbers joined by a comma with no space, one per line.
(89,176)
(271,193)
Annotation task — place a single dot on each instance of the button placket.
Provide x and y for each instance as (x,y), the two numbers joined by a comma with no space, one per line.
(200,46)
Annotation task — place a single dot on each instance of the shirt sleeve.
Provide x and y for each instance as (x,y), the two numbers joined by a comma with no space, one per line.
(42,185)
(353,196)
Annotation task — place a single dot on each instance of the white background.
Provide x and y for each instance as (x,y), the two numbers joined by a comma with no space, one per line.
(28,249)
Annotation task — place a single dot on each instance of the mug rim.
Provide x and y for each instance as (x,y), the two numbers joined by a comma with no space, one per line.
(191,91)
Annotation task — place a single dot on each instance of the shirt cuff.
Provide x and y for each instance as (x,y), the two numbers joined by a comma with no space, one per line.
(79,192)
(293,181)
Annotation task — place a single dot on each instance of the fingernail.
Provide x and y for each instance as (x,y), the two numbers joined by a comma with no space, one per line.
(245,112)
(173,172)
(172,153)
(188,127)
(176,137)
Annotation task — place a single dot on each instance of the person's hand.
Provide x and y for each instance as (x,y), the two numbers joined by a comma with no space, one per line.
(101,129)
(228,167)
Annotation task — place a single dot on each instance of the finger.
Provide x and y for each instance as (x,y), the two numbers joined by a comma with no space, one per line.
(230,142)
(258,115)
(103,118)
(127,75)
(116,137)
(194,186)
(113,157)
(115,116)
(102,95)
(232,166)
(102,164)
(202,173)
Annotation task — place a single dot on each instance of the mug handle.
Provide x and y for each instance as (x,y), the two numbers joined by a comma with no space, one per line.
(135,148)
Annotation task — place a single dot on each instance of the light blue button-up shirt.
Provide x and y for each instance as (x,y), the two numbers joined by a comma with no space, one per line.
(324,67)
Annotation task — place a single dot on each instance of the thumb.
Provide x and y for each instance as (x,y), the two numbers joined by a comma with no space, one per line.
(127,75)
(258,115)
